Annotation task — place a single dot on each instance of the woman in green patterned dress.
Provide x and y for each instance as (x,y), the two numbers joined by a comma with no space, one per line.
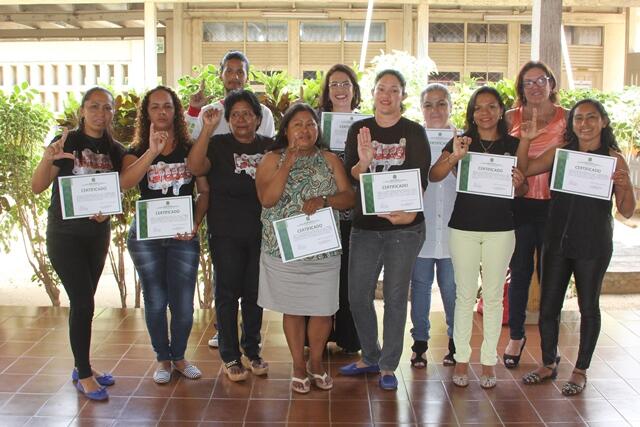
(296,177)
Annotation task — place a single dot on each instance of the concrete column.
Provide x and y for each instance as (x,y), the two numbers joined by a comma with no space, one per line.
(614,55)
(407,28)
(546,19)
(294,49)
(150,37)
(423,30)
(176,43)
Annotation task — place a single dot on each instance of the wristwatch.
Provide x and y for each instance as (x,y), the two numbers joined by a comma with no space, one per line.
(325,203)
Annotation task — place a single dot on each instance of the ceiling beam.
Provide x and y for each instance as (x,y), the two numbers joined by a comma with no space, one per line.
(74,17)
(75,33)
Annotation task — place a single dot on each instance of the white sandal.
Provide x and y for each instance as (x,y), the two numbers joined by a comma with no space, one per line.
(323,382)
(162,376)
(189,371)
(305,385)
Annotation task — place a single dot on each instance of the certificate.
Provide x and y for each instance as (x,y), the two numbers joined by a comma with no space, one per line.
(335,127)
(83,196)
(385,192)
(486,175)
(302,236)
(584,174)
(164,218)
(438,138)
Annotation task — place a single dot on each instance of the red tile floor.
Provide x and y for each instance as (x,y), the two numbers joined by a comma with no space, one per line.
(35,385)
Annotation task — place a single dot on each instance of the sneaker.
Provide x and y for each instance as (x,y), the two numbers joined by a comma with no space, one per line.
(213,342)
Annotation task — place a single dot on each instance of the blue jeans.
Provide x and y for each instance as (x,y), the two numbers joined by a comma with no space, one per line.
(529,238)
(421,282)
(370,250)
(168,270)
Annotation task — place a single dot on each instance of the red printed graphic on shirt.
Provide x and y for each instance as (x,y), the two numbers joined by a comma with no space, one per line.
(387,155)
(247,163)
(89,162)
(163,175)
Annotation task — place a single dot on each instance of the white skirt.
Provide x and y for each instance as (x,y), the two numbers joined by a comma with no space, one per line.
(302,288)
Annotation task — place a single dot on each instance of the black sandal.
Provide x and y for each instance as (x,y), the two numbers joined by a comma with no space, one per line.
(448,359)
(571,389)
(511,361)
(534,378)
(419,348)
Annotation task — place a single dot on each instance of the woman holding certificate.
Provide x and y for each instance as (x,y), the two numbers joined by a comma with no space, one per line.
(480,231)
(434,254)
(341,94)
(168,265)
(229,161)
(78,247)
(536,90)
(578,236)
(297,180)
(396,149)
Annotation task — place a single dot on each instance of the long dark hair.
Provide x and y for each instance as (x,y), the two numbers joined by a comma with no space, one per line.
(143,122)
(607,138)
(520,98)
(108,130)
(325,100)
(281,140)
(471,126)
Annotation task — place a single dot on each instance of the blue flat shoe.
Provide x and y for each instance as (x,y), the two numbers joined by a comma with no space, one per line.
(388,382)
(100,394)
(353,369)
(105,379)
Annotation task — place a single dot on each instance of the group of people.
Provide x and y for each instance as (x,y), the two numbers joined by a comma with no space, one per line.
(242,176)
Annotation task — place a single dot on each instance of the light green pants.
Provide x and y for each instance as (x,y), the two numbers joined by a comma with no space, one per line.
(469,250)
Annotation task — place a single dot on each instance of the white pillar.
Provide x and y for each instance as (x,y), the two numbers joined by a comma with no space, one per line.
(176,39)
(150,36)
(423,30)
(407,30)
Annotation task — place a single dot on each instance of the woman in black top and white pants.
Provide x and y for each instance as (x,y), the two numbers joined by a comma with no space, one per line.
(481,233)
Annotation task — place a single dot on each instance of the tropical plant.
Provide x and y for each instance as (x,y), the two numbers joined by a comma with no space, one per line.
(278,94)
(190,84)
(24,125)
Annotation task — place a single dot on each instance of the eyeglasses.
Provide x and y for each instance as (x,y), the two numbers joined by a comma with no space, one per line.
(346,85)
(246,115)
(540,82)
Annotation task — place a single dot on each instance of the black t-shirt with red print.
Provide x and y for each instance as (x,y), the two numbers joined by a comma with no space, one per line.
(398,147)
(234,209)
(92,155)
(167,176)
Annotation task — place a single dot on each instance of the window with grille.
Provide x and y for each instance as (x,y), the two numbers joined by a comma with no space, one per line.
(482,77)
(583,36)
(267,31)
(223,32)
(494,77)
(446,33)
(498,33)
(483,33)
(445,77)
(354,32)
(525,33)
(320,32)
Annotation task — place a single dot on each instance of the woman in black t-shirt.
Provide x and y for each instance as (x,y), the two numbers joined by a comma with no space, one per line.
(481,233)
(578,239)
(229,161)
(78,248)
(168,268)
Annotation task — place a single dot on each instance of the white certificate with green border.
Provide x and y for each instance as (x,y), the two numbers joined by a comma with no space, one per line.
(393,191)
(438,139)
(486,175)
(164,218)
(335,127)
(302,236)
(83,196)
(585,174)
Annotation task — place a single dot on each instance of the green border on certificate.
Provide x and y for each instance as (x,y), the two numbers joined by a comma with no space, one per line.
(486,175)
(399,190)
(583,174)
(171,205)
(335,126)
(290,232)
(98,193)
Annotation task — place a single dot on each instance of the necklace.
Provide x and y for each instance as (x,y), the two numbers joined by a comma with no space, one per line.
(486,149)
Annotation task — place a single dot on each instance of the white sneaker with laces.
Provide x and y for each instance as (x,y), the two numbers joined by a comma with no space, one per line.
(213,342)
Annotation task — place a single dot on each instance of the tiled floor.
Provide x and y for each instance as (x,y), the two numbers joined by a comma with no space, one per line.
(35,387)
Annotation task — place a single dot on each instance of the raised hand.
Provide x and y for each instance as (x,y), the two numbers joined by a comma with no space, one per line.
(157,140)
(529,129)
(366,151)
(198,99)
(211,119)
(55,151)
(460,145)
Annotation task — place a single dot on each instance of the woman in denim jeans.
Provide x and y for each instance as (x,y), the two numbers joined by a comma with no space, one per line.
(384,142)
(168,268)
